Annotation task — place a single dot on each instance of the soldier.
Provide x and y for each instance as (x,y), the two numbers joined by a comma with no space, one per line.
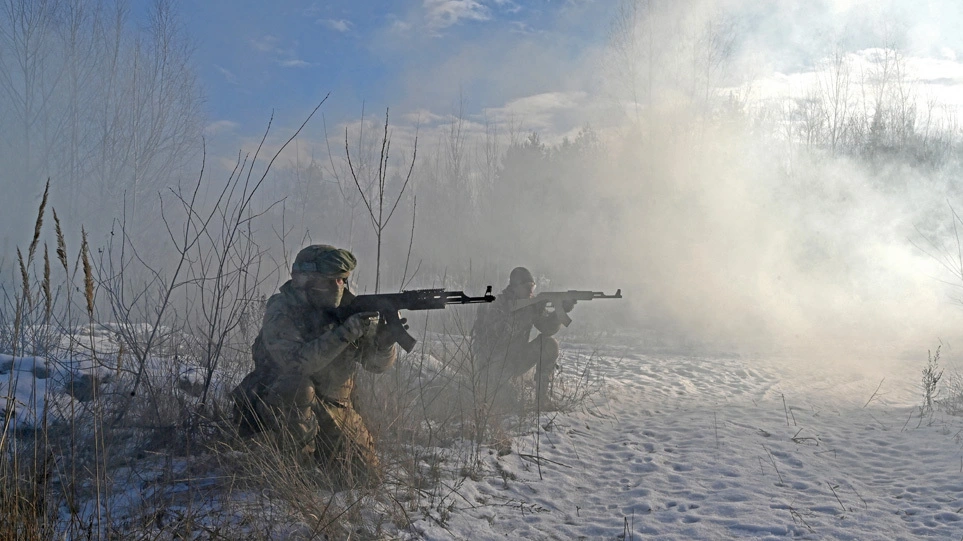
(304,366)
(500,337)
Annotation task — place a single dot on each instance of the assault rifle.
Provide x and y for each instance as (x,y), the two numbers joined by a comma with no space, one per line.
(556,298)
(388,305)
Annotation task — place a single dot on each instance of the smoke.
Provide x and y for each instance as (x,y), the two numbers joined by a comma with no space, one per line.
(736,231)
(719,244)
(753,176)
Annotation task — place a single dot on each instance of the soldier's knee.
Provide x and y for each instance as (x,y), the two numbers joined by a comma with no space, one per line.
(297,424)
(286,407)
(293,390)
(548,349)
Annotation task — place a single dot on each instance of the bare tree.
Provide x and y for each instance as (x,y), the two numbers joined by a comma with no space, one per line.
(106,108)
(835,88)
(217,267)
(379,210)
(29,73)
(635,56)
(667,61)
(341,172)
(713,50)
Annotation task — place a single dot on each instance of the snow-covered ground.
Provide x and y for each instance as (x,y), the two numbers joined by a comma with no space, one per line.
(681,447)
(709,447)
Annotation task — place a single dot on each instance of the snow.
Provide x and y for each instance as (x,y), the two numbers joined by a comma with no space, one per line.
(706,448)
(672,446)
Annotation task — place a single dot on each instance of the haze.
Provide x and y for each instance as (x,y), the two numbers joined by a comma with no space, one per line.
(772,176)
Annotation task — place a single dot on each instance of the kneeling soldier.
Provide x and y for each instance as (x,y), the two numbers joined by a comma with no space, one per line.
(304,367)
(500,337)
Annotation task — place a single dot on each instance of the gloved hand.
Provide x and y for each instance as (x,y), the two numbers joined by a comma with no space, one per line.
(567,306)
(357,326)
(383,323)
(383,338)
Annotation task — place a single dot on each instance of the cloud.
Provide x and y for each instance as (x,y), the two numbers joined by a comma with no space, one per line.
(441,14)
(295,63)
(546,102)
(422,116)
(400,27)
(228,74)
(432,17)
(338,25)
(284,57)
(551,114)
(265,44)
(508,6)
(220,126)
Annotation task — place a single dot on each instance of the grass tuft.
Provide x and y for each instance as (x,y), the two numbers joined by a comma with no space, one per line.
(47,297)
(61,245)
(25,280)
(88,273)
(39,224)
(931,378)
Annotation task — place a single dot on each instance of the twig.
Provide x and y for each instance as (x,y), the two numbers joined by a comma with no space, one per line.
(411,241)
(540,459)
(797,516)
(878,421)
(772,459)
(874,392)
(907,421)
(715,426)
(833,488)
(856,492)
(796,439)
(786,409)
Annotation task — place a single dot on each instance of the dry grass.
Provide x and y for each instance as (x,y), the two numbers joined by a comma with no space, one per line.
(203,479)
(104,462)
(439,424)
(26,463)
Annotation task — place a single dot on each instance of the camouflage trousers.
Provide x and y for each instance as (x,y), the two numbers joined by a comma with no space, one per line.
(329,432)
(502,363)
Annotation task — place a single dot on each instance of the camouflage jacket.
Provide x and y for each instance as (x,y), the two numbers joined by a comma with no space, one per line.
(296,338)
(497,326)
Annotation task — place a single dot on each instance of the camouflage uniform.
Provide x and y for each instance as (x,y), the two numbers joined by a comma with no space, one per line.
(500,340)
(302,384)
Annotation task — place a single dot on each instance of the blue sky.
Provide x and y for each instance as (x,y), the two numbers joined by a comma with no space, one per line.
(536,62)
(427,55)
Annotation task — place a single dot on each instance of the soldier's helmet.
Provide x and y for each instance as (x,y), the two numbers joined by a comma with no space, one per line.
(521,275)
(324,259)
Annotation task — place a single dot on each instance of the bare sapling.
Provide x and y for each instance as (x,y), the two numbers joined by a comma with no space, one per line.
(379,210)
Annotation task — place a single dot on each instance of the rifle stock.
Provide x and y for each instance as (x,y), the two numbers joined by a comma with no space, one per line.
(556,298)
(389,304)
